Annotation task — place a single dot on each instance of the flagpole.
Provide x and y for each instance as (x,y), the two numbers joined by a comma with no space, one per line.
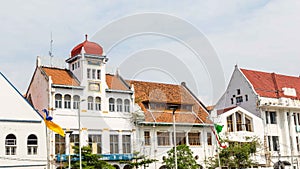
(80,161)
(79,129)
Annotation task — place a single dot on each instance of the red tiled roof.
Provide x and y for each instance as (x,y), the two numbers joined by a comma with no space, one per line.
(272,84)
(61,76)
(168,93)
(160,92)
(89,48)
(221,111)
(115,83)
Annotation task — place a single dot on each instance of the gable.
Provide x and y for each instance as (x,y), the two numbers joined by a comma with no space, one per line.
(13,105)
(61,76)
(151,92)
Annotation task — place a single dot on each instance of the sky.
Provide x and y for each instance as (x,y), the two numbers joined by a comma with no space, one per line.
(253,34)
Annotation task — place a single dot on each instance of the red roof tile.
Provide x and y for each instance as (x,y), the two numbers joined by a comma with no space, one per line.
(61,76)
(168,93)
(221,111)
(114,82)
(271,84)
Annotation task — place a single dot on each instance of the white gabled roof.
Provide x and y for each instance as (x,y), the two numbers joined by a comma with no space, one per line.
(14,107)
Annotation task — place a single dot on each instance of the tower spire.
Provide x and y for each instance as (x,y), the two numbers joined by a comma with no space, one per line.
(86,36)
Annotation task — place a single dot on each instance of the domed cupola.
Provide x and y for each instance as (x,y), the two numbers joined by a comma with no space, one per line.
(90,48)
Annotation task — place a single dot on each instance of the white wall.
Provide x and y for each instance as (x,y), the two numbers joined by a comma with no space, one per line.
(238,81)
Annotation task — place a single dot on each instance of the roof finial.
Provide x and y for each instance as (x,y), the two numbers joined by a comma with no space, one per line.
(86,37)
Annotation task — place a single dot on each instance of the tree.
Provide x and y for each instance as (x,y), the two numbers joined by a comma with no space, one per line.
(89,160)
(185,159)
(138,161)
(236,155)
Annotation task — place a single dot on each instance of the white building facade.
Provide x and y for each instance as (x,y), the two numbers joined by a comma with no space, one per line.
(275,100)
(108,107)
(23,132)
(103,101)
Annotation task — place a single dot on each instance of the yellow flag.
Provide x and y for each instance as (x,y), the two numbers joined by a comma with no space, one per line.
(54,127)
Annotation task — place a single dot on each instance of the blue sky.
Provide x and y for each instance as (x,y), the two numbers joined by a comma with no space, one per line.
(255,34)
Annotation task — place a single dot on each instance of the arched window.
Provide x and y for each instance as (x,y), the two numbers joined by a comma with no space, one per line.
(116,166)
(90,103)
(127,167)
(126,105)
(111,104)
(58,100)
(98,103)
(67,101)
(76,100)
(10,144)
(119,105)
(32,144)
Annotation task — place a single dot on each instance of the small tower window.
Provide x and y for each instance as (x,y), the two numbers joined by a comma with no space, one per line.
(98,74)
(93,74)
(88,73)
(238,91)
(246,97)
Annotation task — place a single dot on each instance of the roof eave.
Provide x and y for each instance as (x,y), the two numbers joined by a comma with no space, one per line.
(177,124)
(67,86)
(119,91)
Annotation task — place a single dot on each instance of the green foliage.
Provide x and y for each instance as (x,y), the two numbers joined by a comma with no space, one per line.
(139,161)
(89,160)
(236,155)
(185,159)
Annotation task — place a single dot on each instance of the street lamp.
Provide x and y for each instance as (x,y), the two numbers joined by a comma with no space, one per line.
(79,130)
(174,108)
(69,132)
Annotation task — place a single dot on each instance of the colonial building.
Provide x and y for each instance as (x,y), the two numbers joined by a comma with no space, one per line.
(23,136)
(275,99)
(154,121)
(117,117)
(84,92)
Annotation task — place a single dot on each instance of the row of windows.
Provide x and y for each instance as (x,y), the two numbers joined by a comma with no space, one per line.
(11,144)
(94,74)
(66,102)
(119,102)
(92,103)
(95,142)
(235,123)
(163,138)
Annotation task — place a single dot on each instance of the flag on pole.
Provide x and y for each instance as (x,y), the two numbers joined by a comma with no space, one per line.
(51,125)
(216,130)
